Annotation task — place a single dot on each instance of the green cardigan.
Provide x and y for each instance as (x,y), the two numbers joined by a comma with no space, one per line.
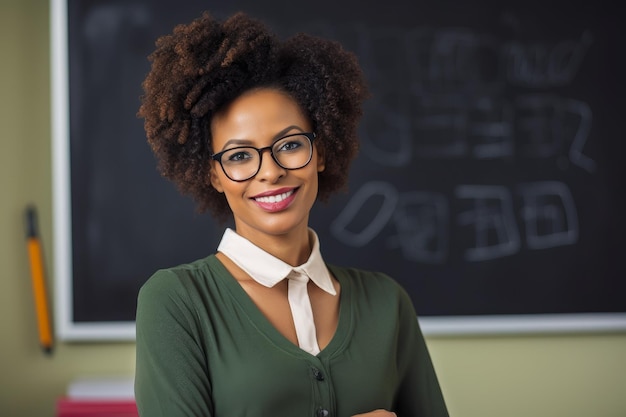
(204,349)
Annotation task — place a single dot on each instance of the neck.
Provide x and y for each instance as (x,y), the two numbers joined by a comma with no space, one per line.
(293,247)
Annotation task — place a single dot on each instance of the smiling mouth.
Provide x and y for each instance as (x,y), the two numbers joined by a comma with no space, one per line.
(274,198)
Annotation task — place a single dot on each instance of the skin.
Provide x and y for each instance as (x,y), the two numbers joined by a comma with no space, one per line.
(257,118)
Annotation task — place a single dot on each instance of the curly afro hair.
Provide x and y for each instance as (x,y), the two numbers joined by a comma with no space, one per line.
(204,65)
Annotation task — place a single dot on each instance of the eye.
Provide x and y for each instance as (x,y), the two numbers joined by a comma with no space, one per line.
(291,143)
(238,155)
(289,146)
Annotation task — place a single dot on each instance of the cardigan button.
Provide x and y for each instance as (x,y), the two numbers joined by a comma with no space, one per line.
(322,413)
(318,374)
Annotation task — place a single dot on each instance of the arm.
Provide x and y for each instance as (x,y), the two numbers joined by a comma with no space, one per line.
(171,371)
(419,393)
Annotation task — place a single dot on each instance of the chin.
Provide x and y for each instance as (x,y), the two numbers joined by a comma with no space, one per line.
(276,224)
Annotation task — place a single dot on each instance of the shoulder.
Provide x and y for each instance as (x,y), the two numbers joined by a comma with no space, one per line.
(181,280)
(373,284)
(178,296)
(364,277)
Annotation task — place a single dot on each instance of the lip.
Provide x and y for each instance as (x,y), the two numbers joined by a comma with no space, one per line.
(289,195)
(277,191)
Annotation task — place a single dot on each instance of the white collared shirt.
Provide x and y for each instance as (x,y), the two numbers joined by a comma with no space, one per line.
(268,271)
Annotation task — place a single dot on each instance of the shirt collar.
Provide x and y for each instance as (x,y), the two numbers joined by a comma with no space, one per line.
(268,270)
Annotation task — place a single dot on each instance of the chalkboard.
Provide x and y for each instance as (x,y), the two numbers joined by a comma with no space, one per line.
(490,181)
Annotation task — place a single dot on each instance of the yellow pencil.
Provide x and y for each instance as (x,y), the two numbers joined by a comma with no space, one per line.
(37,271)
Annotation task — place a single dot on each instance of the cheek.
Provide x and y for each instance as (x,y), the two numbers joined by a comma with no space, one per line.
(233,191)
(314,180)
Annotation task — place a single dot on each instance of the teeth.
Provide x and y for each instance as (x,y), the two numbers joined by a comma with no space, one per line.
(274,198)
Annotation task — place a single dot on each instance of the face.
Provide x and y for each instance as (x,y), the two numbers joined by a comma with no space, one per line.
(276,201)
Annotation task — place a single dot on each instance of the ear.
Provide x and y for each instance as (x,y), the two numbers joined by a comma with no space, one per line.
(321,160)
(215,180)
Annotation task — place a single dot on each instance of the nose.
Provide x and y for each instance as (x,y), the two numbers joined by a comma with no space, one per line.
(269,169)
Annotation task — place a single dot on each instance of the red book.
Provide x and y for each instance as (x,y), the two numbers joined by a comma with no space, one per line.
(68,407)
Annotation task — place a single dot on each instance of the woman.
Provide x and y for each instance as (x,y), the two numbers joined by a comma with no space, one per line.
(259,129)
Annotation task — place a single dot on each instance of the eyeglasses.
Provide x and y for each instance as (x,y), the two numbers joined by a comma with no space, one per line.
(241,163)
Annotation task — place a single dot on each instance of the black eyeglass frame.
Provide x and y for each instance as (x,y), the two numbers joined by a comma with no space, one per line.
(309,135)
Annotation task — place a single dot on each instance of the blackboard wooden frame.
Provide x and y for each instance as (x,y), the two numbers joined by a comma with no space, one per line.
(68,328)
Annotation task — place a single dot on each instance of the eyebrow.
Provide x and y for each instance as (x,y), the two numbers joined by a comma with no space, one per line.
(242,142)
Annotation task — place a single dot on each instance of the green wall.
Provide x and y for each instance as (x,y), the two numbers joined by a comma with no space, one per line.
(523,376)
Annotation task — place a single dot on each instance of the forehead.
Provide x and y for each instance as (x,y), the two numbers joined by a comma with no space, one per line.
(256,114)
